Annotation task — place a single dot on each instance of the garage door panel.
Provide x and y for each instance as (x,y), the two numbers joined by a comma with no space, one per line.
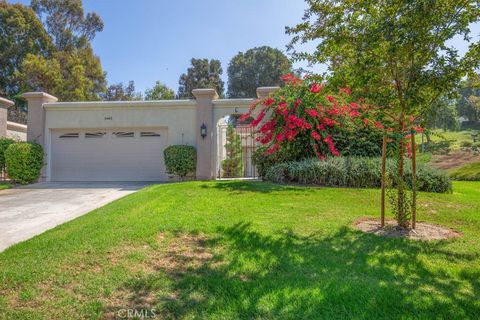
(108,157)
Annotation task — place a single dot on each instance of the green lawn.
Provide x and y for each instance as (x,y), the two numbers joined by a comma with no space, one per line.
(4,186)
(469,171)
(251,250)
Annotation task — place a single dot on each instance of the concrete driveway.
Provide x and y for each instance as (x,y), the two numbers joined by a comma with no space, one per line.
(31,210)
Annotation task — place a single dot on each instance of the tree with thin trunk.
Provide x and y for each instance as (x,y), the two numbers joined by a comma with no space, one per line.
(395,53)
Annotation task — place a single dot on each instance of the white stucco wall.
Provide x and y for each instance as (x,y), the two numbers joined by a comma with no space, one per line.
(16,131)
(176,116)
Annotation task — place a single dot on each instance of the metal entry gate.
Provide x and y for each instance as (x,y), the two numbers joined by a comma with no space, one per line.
(236,144)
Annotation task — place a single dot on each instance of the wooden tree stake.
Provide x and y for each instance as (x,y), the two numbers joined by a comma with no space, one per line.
(384,169)
(414,181)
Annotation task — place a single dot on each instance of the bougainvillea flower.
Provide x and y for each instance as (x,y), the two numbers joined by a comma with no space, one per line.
(290,78)
(268,102)
(378,125)
(328,122)
(330,98)
(296,104)
(315,135)
(354,113)
(315,88)
(345,90)
(419,129)
(272,149)
(244,117)
(312,112)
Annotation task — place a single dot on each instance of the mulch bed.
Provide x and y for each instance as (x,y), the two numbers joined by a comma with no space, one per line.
(453,160)
(423,230)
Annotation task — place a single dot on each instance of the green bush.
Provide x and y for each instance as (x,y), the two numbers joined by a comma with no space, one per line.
(4,144)
(357,172)
(24,161)
(466,144)
(180,160)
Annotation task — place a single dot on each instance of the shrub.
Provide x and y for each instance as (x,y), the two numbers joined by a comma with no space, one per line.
(24,161)
(180,160)
(4,144)
(357,172)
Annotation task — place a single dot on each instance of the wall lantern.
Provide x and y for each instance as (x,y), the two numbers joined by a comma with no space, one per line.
(203,131)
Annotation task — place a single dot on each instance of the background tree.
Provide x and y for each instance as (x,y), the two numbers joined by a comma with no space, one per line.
(67,23)
(82,77)
(232,166)
(203,73)
(395,53)
(119,92)
(468,102)
(443,115)
(21,34)
(260,66)
(159,92)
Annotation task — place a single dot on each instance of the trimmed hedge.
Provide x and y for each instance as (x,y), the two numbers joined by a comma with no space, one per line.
(180,160)
(4,144)
(24,161)
(356,172)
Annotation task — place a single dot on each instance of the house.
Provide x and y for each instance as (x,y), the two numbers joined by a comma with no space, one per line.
(124,141)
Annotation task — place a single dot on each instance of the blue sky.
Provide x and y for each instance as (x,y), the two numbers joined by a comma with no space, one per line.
(149,40)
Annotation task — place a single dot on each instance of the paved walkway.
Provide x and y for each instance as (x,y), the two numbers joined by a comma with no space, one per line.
(30,210)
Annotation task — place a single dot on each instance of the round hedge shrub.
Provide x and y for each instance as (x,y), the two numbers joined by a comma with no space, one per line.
(24,161)
(355,172)
(180,160)
(4,144)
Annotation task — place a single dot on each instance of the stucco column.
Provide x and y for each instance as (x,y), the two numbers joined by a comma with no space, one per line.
(4,105)
(36,115)
(205,150)
(263,92)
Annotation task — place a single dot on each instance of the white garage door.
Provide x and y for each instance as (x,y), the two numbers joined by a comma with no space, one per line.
(108,155)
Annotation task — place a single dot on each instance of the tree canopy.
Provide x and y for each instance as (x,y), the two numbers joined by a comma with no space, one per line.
(203,73)
(21,34)
(67,23)
(468,102)
(119,92)
(396,53)
(260,66)
(159,92)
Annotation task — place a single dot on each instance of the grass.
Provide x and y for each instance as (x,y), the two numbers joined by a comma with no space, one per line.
(454,137)
(469,171)
(243,250)
(4,186)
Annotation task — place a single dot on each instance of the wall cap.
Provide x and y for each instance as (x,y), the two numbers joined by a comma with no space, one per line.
(92,105)
(6,103)
(15,126)
(232,102)
(265,91)
(204,93)
(42,95)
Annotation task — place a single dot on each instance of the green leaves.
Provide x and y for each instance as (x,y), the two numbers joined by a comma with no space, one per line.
(203,73)
(257,67)
(24,161)
(180,160)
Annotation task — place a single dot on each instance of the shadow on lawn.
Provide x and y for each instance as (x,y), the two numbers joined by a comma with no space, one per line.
(346,275)
(238,186)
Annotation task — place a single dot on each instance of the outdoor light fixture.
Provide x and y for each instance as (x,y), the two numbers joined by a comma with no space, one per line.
(203,131)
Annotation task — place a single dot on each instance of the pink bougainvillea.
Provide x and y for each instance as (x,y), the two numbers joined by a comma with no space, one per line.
(305,116)
(304,109)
